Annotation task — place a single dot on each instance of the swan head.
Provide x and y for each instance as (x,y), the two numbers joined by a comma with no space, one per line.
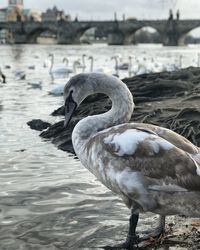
(75,91)
(66,61)
(82,85)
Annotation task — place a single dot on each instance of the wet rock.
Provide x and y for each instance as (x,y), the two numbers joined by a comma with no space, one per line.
(38,124)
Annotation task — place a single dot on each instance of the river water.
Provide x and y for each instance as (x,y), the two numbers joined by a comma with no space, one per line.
(47,199)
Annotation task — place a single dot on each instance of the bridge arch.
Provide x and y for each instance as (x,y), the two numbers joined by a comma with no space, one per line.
(191,36)
(81,34)
(32,37)
(6,35)
(144,34)
(88,36)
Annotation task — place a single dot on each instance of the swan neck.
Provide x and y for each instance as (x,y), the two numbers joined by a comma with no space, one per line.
(116,65)
(120,112)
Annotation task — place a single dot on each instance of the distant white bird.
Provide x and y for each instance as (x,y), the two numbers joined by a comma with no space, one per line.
(20,74)
(58,72)
(58,88)
(174,66)
(31,67)
(37,84)
(82,65)
(105,70)
(119,64)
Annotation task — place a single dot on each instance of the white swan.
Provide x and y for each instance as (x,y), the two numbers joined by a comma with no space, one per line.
(35,84)
(119,65)
(58,88)
(62,72)
(31,67)
(151,168)
(20,74)
(82,65)
(100,69)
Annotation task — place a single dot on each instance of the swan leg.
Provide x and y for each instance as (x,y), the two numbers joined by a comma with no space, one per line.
(158,231)
(131,238)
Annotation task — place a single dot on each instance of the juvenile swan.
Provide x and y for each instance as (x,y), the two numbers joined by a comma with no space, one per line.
(151,168)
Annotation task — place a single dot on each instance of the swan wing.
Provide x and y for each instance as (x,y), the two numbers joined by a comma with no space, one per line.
(178,140)
(128,150)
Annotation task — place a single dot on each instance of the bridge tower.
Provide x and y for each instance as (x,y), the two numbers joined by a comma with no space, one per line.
(171,31)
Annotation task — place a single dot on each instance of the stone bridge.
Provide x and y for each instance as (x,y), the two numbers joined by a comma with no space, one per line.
(171,31)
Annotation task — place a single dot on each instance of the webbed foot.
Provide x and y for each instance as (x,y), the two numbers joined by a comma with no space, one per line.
(131,243)
(155,236)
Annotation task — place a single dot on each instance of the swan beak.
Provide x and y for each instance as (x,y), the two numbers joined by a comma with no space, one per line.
(70,107)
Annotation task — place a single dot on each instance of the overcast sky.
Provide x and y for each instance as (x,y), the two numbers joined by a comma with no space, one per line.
(104,9)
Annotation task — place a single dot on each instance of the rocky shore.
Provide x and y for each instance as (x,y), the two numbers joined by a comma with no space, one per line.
(168,99)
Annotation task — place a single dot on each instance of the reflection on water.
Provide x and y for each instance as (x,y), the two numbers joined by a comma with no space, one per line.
(47,199)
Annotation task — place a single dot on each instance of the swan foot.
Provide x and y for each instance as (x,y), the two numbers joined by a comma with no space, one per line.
(156,236)
(129,244)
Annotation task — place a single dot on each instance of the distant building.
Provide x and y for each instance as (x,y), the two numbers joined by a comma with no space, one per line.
(31,15)
(14,10)
(15,3)
(54,15)
(13,14)
(3,13)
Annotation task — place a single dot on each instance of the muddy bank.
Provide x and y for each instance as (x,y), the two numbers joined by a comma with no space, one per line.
(166,99)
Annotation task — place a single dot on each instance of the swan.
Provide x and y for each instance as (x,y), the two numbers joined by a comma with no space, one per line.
(174,66)
(82,64)
(63,71)
(58,88)
(20,74)
(120,66)
(137,69)
(2,76)
(150,167)
(178,63)
(100,70)
(31,67)
(35,84)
